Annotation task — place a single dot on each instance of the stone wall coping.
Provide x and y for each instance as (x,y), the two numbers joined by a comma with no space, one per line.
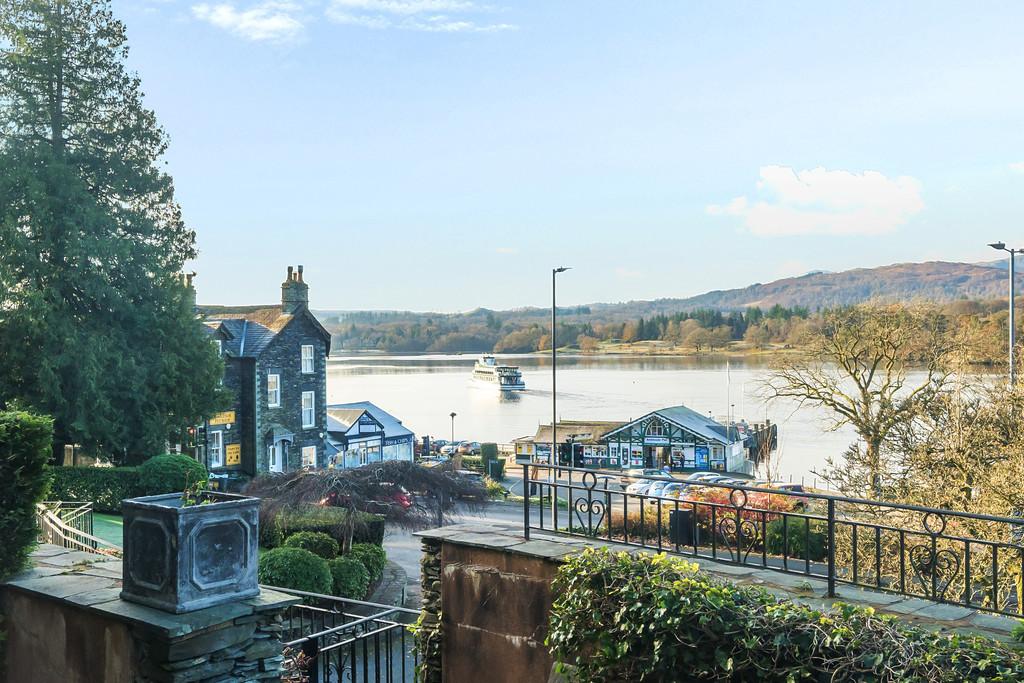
(807,590)
(92,582)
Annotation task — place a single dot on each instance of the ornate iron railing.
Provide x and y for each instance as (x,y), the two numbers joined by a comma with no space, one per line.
(69,524)
(335,640)
(942,555)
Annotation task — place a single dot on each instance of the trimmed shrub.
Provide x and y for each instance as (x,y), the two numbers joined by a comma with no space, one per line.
(489,451)
(801,537)
(473,462)
(25,442)
(331,521)
(619,617)
(349,577)
(316,542)
(294,568)
(169,473)
(373,558)
(271,535)
(106,487)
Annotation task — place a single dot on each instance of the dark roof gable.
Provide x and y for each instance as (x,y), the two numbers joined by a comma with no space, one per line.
(250,329)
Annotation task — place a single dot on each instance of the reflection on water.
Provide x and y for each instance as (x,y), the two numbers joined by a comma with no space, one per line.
(423,390)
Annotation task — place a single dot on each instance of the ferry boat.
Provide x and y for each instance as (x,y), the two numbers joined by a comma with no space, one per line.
(507,377)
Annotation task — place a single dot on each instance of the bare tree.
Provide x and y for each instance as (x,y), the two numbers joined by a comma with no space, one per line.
(857,368)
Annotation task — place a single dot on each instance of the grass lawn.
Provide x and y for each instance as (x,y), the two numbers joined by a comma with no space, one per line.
(108,527)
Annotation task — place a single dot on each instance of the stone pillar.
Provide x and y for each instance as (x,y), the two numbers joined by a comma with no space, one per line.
(428,636)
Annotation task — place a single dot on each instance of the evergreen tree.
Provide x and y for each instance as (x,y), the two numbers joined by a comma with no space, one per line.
(96,326)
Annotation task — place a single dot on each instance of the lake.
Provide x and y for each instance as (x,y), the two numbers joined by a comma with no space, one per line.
(423,390)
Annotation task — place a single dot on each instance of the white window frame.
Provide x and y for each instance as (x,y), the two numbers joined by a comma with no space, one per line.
(274,399)
(309,456)
(220,346)
(655,429)
(274,454)
(307,359)
(311,410)
(216,448)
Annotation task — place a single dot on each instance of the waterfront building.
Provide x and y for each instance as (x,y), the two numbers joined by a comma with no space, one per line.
(677,438)
(275,366)
(362,433)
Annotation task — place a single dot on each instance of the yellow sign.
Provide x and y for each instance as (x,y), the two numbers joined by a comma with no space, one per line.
(234,454)
(223,418)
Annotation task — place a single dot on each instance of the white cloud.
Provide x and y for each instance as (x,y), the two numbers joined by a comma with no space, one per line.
(823,202)
(435,16)
(506,250)
(1018,167)
(276,22)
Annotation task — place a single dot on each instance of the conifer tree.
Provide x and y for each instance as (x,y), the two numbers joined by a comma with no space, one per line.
(96,327)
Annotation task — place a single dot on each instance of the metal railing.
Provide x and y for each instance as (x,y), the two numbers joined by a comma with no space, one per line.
(332,640)
(70,524)
(941,555)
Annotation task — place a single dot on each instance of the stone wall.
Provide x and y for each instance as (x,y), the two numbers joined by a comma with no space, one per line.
(66,622)
(487,598)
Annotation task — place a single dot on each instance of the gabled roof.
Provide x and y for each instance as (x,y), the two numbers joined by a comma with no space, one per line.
(342,420)
(587,432)
(392,425)
(690,419)
(250,329)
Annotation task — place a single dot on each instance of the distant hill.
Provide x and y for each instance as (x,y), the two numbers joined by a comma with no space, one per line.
(937,281)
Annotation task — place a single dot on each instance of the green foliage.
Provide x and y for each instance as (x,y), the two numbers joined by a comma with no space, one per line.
(271,535)
(315,542)
(106,487)
(373,558)
(170,473)
(1018,632)
(799,538)
(473,462)
(24,479)
(350,578)
(494,488)
(489,451)
(295,568)
(648,617)
(368,528)
(97,329)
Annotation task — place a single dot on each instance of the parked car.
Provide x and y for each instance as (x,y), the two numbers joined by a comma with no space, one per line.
(450,448)
(639,487)
(469,448)
(637,474)
(390,495)
(656,487)
(672,489)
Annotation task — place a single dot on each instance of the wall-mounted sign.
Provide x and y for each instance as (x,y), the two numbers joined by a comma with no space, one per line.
(233,454)
(223,418)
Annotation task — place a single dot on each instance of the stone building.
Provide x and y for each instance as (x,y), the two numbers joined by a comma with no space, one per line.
(275,365)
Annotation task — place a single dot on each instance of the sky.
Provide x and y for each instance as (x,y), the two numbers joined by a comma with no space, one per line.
(444,155)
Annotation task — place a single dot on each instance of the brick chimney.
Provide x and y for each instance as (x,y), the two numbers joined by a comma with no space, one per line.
(294,292)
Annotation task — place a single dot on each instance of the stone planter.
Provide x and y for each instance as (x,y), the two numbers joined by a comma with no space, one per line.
(181,559)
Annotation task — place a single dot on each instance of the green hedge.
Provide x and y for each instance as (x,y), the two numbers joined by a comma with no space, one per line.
(814,543)
(106,487)
(349,577)
(25,443)
(295,568)
(170,472)
(618,617)
(373,558)
(315,542)
(329,520)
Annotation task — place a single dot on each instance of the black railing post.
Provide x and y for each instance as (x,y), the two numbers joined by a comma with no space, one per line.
(526,502)
(831,547)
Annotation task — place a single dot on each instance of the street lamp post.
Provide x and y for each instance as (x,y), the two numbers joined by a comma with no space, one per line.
(553,459)
(554,360)
(1000,246)
(453,429)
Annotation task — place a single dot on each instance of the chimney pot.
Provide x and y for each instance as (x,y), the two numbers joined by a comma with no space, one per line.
(289,278)
(300,272)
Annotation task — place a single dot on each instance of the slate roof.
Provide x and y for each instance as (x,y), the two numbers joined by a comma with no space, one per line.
(587,432)
(348,413)
(341,420)
(249,329)
(690,419)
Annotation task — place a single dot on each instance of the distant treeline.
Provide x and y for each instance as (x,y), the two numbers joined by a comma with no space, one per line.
(704,329)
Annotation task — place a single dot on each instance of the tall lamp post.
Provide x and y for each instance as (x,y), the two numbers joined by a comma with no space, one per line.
(1000,246)
(453,429)
(554,360)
